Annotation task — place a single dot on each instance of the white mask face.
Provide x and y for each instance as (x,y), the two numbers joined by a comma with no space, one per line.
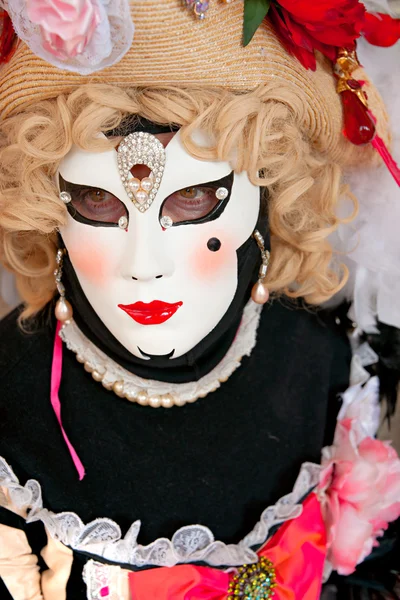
(158,289)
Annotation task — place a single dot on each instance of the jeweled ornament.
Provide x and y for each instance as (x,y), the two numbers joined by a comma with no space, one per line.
(134,185)
(141,149)
(359,127)
(259,291)
(65,197)
(221,193)
(147,184)
(254,582)
(166,222)
(199,7)
(123,222)
(359,122)
(63,309)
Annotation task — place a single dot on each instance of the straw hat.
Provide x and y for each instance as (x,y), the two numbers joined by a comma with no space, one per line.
(171,47)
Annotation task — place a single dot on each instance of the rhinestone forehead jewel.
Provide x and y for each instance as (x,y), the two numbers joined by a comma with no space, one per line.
(141,149)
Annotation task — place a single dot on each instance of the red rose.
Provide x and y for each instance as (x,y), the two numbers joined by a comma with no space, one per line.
(323,25)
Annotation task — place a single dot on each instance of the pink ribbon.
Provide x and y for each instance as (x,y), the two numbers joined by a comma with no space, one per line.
(56,371)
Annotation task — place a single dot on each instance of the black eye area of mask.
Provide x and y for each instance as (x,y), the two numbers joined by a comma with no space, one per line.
(195,204)
(92,205)
(198,203)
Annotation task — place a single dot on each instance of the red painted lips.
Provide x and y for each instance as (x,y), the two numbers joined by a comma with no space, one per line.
(154,313)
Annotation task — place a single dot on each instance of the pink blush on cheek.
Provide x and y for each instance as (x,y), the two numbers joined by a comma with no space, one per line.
(207,265)
(90,261)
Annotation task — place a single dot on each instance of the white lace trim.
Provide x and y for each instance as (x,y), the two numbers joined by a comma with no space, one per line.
(98,361)
(193,543)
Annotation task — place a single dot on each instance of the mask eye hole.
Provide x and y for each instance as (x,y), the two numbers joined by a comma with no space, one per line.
(199,203)
(93,205)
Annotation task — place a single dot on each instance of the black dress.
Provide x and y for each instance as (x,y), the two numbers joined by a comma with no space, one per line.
(218,462)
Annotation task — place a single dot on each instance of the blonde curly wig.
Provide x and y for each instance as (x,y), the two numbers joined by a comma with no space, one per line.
(259,132)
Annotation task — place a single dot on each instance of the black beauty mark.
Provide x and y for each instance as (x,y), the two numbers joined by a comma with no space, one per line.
(214,244)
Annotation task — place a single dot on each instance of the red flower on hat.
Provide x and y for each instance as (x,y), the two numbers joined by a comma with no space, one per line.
(7,37)
(325,25)
(381,30)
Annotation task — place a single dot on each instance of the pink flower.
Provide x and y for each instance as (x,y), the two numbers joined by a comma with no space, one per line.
(360,494)
(67,26)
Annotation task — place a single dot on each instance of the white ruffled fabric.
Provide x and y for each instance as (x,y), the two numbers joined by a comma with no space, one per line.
(372,241)
(110,42)
(192,543)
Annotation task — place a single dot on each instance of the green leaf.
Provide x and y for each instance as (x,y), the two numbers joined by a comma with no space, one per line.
(255,12)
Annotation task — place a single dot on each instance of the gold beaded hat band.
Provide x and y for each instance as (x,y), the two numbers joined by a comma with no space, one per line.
(171,48)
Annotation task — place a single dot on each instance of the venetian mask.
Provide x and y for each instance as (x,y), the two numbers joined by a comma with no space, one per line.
(154,247)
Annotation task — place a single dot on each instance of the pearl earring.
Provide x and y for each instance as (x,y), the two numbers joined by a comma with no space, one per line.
(260,293)
(63,309)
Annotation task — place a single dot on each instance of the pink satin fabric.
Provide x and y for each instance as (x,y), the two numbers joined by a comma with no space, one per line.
(56,371)
(183,582)
(297,551)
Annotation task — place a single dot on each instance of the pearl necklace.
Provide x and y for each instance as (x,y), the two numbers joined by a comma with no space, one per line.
(147,392)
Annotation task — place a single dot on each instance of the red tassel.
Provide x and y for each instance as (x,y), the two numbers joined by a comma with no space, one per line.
(7,37)
(359,122)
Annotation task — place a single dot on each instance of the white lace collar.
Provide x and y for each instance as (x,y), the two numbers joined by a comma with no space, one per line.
(136,388)
(192,543)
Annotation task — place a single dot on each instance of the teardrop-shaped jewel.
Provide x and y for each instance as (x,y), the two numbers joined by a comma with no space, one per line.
(259,293)
(359,126)
(63,310)
(141,148)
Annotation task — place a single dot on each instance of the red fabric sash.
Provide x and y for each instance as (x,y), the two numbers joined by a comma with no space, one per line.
(297,551)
